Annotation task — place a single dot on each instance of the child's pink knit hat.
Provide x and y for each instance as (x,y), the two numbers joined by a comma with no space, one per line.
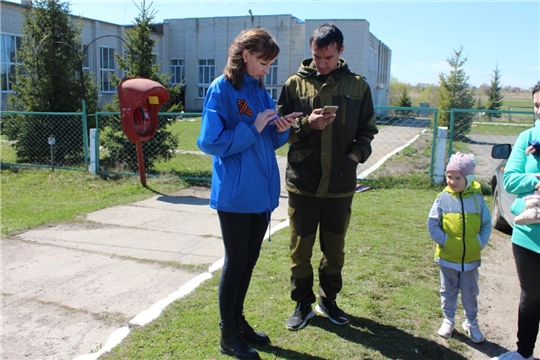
(463,164)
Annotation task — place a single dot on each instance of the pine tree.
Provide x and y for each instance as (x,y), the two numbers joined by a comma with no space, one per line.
(139,62)
(405,100)
(49,80)
(455,93)
(494,93)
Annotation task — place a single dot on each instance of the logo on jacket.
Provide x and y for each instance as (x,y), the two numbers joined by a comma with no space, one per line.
(243,108)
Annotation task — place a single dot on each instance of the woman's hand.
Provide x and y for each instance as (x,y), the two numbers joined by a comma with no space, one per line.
(283,123)
(264,118)
(530,150)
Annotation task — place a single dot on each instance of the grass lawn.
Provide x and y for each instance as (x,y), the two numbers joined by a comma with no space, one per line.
(32,198)
(390,291)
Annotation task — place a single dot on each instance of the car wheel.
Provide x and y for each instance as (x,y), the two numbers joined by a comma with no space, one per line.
(497,221)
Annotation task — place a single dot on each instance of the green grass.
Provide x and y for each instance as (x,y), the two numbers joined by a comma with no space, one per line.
(187,130)
(390,281)
(32,198)
(390,291)
(498,129)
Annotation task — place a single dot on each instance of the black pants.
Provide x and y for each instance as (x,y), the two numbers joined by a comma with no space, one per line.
(242,238)
(528,270)
(331,216)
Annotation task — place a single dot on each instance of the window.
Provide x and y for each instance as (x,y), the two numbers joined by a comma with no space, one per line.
(270,80)
(178,71)
(107,69)
(372,59)
(206,75)
(273,93)
(271,77)
(9,46)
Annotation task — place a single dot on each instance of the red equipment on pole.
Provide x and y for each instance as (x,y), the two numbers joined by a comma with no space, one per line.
(140,100)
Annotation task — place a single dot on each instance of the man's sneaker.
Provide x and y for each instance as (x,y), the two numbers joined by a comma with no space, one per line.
(446,329)
(473,330)
(512,355)
(335,314)
(302,314)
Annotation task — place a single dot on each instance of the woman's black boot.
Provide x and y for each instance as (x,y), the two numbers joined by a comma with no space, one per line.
(232,344)
(249,334)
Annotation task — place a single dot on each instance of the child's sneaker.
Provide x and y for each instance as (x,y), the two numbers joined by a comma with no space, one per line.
(446,329)
(473,330)
(512,355)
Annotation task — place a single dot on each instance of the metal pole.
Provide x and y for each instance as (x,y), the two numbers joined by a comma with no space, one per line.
(140,158)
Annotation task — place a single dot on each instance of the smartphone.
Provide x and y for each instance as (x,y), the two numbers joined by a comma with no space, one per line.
(329,109)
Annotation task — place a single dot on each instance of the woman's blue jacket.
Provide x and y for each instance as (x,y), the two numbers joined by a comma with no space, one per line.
(245,174)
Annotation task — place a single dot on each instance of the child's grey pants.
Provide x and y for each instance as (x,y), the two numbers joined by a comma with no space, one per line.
(454,281)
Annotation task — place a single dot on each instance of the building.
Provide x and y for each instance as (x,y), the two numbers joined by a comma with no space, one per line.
(194,50)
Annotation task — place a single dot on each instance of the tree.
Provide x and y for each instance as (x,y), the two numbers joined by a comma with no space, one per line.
(428,95)
(405,101)
(395,89)
(139,62)
(49,80)
(494,93)
(455,93)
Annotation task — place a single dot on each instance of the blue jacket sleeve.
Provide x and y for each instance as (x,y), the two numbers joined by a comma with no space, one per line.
(278,138)
(218,136)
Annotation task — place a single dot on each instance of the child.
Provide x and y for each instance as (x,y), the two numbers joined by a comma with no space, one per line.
(460,224)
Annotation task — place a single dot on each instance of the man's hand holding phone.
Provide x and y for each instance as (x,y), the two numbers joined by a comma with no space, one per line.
(322,117)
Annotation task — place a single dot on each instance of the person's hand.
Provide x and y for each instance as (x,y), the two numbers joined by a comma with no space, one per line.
(530,150)
(283,123)
(264,118)
(318,121)
(353,157)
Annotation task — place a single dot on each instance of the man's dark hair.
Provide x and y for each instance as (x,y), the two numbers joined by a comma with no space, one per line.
(326,35)
(536,88)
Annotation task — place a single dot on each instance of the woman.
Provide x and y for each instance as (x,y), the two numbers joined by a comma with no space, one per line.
(522,177)
(241,129)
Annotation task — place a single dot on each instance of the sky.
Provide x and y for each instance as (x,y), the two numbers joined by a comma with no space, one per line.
(422,35)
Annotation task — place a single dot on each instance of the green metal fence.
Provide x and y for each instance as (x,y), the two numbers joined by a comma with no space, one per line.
(40,139)
(476,131)
(406,141)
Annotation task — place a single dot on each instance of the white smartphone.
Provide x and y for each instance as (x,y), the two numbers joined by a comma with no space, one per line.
(330,109)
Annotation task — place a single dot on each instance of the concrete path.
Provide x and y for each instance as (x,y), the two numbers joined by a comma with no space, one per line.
(70,290)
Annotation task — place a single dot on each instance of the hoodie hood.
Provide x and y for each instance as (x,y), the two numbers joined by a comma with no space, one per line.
(308,69)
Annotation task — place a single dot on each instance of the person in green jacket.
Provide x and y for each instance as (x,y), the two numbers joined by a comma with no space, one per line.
(325,149)
(459,222)
(522,177)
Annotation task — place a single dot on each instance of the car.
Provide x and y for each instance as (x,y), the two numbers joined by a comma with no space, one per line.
(501,217)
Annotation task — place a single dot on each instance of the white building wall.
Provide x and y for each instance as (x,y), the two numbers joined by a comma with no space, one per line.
(193,39)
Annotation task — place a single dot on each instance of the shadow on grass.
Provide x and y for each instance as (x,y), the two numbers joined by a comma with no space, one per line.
(487,347)
(389,341)
(285,353)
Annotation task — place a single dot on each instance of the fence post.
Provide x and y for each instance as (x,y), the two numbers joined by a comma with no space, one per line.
(440,154)
(94,153)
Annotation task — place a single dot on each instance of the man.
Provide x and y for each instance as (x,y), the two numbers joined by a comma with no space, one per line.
(321,170)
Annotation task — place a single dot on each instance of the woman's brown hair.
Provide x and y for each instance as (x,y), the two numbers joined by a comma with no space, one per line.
(256,41)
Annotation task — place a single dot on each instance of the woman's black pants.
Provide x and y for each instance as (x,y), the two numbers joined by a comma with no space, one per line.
(242,238)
